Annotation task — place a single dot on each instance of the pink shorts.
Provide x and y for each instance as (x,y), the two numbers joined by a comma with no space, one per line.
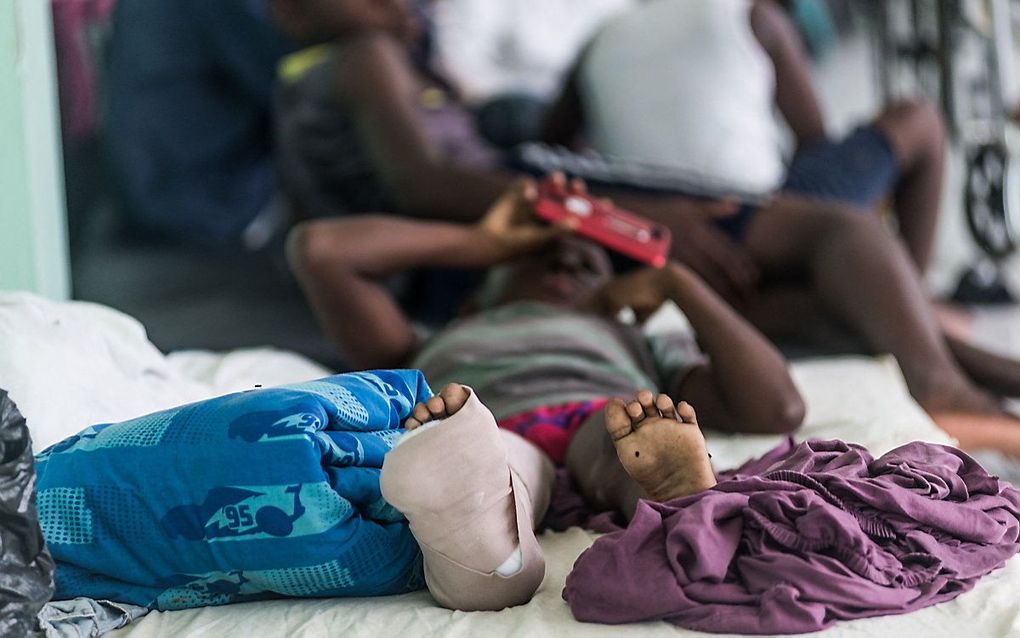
(551,428)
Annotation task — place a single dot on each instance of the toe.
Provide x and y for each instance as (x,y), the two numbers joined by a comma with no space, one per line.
(437,407)
(647,401)
(617,420)
(664,404)
(635,412)
(455,396)
(421,413)
(686,412)
(412,424)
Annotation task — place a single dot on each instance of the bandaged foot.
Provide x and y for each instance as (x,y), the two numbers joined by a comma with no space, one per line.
(471,510)
(660,445)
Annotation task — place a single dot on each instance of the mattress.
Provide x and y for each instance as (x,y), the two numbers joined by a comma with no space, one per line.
(103,368)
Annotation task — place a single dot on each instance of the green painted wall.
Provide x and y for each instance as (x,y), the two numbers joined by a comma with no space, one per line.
(33,228)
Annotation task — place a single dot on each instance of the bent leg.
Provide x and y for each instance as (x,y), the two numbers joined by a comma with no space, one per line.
(648,448)
(795,313)
(917,135)
(597,471)
(472,497)
(864,278)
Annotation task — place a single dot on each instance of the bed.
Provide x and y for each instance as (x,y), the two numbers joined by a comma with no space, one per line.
(101,366)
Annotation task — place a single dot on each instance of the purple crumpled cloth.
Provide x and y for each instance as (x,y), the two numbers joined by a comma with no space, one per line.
(803,537)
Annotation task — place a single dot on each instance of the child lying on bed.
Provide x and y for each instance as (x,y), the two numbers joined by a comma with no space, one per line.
(549,360)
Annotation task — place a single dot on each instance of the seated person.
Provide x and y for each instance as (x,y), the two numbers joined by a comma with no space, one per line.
(362,135)
(189,82)
(545,354)
(474,517)
(706,106)
(507,59)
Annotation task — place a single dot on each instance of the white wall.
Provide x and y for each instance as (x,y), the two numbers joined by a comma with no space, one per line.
(33,227)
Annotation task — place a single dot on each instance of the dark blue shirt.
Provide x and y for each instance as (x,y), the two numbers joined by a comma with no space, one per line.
(187,117)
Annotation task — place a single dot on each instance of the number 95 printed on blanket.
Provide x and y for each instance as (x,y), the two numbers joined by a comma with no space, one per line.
(259,494)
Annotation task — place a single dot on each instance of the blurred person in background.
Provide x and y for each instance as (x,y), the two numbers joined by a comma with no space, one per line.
(706,107)
(188,131)
(507,59)
(368,125)
(707,104)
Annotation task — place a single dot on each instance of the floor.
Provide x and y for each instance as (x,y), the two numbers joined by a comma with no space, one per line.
(190,298)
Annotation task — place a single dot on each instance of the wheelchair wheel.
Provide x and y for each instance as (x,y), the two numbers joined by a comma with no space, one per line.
(991,200)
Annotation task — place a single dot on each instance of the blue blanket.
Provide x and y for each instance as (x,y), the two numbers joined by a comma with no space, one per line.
(259,494)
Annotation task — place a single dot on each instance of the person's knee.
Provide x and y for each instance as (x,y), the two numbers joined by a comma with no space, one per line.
(309,248)
(926,117)
(789,411)
(919,113)
(914,127)
(783,414)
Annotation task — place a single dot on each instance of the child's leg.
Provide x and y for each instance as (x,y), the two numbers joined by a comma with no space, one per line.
(917,135)
(472,496)
(648,448)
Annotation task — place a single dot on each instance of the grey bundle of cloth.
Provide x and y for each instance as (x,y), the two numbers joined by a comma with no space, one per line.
(26,568)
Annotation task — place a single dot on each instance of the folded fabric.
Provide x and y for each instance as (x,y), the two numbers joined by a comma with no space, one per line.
(26,568)
(258,494)
(86,618)
(801,538)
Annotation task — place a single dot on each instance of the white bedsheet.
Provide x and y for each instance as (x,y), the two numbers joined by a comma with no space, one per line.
(70,365)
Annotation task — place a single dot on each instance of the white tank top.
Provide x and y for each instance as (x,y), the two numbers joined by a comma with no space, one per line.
(686,85)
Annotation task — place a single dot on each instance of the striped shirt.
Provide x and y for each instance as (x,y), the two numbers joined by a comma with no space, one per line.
(527,355)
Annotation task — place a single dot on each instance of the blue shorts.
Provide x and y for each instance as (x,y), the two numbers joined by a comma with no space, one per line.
(858,170)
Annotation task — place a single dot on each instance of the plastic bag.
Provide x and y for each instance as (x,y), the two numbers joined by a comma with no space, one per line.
(26,568)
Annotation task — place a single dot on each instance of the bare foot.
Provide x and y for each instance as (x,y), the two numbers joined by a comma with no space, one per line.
(938,393)
(448,402)
(660,445)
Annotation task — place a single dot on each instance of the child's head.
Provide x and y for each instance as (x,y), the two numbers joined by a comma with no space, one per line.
(563,273)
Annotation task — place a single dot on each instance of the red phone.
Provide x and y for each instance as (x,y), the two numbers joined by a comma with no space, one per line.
(611,227)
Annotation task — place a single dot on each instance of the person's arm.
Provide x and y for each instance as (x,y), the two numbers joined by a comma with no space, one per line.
(745,386)
(309,22)
(378,87)
(795,93)
(342,265)
(698,242)
(564,121)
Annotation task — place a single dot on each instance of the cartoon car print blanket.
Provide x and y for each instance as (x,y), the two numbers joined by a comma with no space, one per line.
(258,494)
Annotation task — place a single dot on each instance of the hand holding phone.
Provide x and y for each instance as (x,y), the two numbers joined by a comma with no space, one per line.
(612,227)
